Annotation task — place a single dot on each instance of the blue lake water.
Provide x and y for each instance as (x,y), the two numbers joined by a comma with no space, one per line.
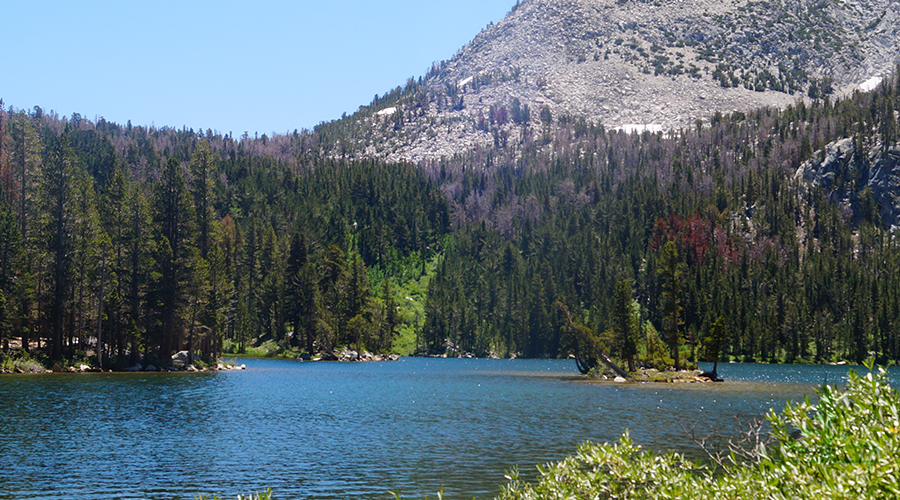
(339,430)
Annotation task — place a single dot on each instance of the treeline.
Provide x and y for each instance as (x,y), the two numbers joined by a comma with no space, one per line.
(143,241)
(129,242)
(790,276)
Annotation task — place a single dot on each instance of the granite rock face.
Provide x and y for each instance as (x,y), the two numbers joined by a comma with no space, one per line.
(857,178)
(631,64)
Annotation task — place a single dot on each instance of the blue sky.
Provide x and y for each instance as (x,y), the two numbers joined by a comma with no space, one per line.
(230,66)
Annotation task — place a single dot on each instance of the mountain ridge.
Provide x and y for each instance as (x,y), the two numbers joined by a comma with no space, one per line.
(630,64)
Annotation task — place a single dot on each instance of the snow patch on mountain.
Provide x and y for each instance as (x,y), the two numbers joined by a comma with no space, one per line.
(870,84)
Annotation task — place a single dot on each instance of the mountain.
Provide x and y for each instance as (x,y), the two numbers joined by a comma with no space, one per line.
(630,64)
(524,213)
(860,176)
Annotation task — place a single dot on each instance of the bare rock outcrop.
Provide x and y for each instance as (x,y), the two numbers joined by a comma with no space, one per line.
(862,179)
(630,64)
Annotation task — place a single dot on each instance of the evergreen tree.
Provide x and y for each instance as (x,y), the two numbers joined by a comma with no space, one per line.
(670,271)
(714,341)
(302,293)
(135,278)
(11,255)
(201,186)
(57,199)
(390,318)
(624,323)
(173,217)
(25,163)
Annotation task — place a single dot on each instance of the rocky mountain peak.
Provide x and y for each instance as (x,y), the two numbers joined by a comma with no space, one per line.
(632,64)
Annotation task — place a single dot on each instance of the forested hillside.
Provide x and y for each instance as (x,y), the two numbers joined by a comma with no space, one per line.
(144,241)
(707,223)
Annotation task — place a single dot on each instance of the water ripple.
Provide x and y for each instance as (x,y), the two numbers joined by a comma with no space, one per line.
(331,430)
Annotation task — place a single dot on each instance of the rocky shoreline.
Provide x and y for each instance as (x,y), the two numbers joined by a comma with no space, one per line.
(179,364)
(349,356)
(83,368)
(665,377)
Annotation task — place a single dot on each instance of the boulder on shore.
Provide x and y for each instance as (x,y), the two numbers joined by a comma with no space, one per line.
(181,358)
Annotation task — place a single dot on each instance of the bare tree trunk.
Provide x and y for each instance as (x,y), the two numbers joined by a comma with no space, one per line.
(612,366)
(190,346)
(100,318)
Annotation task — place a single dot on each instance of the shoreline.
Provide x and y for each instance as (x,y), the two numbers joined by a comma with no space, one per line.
(659,377)
(82,368)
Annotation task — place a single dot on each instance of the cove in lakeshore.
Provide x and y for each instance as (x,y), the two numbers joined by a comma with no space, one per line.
(340,430)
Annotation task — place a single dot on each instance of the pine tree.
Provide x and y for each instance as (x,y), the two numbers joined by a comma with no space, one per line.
(7,184)
(302,293)
(90,253)
(357,302)
(202,161)
(221,296)
(624,323)
(670,271)
(173,217)
(138,251)
(25,163)
(198,295)
(11,255)
(390,317)
(715,339)
(57,198)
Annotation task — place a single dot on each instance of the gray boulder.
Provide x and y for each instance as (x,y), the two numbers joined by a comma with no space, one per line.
(180,358)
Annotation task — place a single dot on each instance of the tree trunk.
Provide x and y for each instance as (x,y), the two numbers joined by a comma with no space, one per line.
(612,366)
(100,322)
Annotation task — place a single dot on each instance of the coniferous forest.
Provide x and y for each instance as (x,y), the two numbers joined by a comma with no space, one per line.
(133,242)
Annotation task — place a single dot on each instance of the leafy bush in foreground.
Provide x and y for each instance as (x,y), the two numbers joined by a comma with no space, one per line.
(846,446)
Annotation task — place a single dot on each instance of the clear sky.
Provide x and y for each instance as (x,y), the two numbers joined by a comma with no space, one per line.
(232,66)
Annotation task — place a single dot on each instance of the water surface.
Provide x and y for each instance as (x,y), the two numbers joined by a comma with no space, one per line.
(337,430)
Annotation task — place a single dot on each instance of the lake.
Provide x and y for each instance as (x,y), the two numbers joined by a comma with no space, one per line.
(340,430)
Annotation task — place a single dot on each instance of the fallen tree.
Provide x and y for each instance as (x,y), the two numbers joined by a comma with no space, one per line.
(588,348)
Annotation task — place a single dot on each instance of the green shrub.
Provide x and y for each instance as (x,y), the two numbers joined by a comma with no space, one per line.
(21,361)
(845,446)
